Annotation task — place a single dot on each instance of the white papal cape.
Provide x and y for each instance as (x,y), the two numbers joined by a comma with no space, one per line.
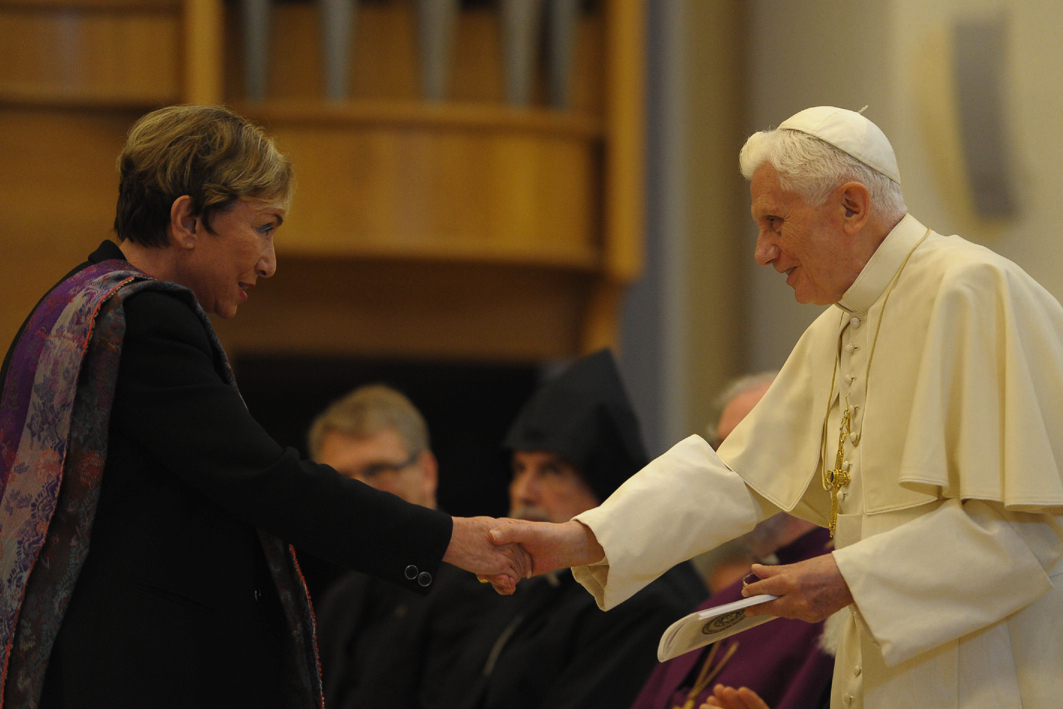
(950,535)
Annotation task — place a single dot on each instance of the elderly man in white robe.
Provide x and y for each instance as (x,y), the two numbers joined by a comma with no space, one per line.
(919,418)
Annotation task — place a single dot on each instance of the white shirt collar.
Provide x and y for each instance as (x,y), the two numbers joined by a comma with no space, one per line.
(882,266)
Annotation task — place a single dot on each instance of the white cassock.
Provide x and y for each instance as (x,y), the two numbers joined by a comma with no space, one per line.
(950,535)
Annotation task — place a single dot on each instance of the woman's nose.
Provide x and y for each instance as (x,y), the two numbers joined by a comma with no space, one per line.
(267,265)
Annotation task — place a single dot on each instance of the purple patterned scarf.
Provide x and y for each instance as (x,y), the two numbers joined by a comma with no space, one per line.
(54,418)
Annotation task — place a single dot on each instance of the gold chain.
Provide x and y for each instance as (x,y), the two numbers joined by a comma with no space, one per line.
(708,674)
(838,477)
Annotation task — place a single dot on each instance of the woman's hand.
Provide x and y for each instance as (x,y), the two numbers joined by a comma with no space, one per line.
(471,548)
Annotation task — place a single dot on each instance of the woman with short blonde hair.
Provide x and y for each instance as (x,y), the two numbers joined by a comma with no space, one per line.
(142,508)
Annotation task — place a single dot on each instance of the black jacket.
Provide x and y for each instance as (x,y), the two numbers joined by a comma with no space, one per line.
(174,606)
(383,646)
(550,647)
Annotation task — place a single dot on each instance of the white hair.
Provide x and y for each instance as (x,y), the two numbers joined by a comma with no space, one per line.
(814,168)
(731,390)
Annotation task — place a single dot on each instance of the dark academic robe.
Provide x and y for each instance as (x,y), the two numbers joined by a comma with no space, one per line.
(174,605)
(780,660)
(550,647)
(384,646)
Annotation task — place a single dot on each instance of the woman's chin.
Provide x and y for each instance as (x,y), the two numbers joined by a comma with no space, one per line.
(225,312)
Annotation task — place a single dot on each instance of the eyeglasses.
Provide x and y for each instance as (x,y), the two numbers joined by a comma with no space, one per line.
(373,469)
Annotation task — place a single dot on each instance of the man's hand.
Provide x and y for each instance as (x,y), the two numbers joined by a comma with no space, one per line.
(731,698)
(472,549)
(550,546)
(810,590)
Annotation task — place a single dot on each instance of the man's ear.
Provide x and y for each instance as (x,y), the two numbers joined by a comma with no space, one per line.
(854,203)
(184,226)
(430,472)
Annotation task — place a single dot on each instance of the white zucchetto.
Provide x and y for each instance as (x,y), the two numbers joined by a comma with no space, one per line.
(849,132)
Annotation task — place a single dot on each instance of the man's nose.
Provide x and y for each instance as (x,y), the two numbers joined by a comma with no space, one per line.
(524,487)
(765,252)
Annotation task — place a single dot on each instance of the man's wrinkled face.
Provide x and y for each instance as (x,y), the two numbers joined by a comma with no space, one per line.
(382,461)
(545,487)
(806,243)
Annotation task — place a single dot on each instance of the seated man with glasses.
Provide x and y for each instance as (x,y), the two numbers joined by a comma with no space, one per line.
(382,645)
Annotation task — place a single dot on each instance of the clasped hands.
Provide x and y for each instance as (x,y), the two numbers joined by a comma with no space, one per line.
(503,551)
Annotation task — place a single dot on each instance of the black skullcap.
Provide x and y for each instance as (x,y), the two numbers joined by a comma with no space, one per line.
(584,416)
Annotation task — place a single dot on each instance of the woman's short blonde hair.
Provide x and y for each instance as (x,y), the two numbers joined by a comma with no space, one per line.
(206,152)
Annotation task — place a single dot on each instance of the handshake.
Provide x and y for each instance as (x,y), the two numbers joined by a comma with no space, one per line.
(503,551)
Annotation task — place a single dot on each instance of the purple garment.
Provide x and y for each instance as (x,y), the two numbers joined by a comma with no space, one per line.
(781,660)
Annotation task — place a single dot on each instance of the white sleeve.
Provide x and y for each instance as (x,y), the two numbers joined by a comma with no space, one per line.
(951,572)
(683,503)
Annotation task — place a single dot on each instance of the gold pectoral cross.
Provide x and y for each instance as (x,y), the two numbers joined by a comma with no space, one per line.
(837,478)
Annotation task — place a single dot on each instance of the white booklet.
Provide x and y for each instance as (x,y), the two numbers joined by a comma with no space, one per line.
(703,627)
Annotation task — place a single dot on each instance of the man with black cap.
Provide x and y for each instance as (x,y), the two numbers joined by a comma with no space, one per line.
(572,445)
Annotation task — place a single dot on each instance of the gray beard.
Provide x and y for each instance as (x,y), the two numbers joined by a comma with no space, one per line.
(531,514)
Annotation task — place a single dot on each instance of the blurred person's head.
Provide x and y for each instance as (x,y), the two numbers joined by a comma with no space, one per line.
(731,561)
(201,194)
(734,403)
(376,435)
(574,442)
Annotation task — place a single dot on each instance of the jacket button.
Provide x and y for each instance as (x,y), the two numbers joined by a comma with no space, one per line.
(855,322)
(424,579)
(857,670)
(411,572)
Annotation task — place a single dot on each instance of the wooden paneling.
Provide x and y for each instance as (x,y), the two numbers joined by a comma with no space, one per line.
(626,136)
(95,57)
(94,6)
(413,309)
(202,50)
(384,62)
(471,184)
(623,183)
(54,214)
(459,229)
